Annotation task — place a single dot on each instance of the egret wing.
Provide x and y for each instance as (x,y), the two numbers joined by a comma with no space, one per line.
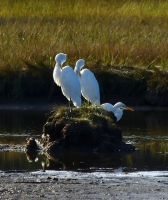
(70,85)
(90,87)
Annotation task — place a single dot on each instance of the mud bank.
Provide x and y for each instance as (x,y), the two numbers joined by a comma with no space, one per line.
(130,85)
(86,130)
(59,185)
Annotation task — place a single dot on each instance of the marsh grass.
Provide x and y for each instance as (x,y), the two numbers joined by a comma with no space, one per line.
(104,33)
(125,33)
(98,119)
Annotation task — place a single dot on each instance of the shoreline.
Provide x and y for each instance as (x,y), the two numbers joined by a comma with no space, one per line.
(51,106)
(76,185)
(44,185)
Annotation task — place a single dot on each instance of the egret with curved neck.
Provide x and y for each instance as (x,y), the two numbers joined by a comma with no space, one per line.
(89,85)
(66,78)
(60,59)
(117,109)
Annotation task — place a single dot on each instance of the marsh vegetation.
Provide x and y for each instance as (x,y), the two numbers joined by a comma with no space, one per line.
(109,35)
(87,130)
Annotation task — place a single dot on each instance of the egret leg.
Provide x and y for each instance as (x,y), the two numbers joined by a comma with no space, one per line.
(69,109)
(97,109)
(97,104)
(70,105)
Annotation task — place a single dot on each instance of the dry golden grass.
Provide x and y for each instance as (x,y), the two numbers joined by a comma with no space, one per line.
(102,32)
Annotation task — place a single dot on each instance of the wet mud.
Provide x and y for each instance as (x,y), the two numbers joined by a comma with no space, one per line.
(44,185)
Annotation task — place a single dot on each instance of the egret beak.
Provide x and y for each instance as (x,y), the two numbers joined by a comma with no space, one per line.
(128,108)
(60,66)
(79,74)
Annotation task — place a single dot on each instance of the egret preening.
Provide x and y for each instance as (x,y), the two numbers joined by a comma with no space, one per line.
(68,81)
(60,59)
(117,109)
(89,85)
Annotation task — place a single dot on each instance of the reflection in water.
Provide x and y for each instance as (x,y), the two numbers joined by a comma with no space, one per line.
(32,156)
(17,161)
(149,156)
(16,126)
(148,129)
(83,161)
(145,124)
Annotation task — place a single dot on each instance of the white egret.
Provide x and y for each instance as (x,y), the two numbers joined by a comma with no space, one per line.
(66,78)
(60,59)
(89,85)
(117,109)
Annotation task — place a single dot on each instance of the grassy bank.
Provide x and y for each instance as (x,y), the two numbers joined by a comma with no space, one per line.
(104,33)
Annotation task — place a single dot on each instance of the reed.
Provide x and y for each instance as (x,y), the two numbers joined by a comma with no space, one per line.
(104,33)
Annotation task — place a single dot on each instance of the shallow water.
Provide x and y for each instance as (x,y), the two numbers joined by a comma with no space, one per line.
(148,129)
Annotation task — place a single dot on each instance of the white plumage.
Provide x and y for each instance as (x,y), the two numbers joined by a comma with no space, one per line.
(66,78)
(89,85)
(117,109)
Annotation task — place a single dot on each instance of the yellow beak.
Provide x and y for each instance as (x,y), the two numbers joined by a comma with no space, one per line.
(128,108)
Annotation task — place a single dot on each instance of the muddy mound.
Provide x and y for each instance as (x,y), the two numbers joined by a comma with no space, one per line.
(86,130)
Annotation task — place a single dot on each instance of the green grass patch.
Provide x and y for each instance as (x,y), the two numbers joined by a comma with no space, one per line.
(89,113)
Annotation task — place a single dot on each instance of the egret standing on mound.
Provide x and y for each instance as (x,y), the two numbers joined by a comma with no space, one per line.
(66,78)
(117,109)
(89,85)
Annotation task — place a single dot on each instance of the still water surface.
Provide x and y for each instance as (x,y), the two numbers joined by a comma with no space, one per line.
(148,129)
